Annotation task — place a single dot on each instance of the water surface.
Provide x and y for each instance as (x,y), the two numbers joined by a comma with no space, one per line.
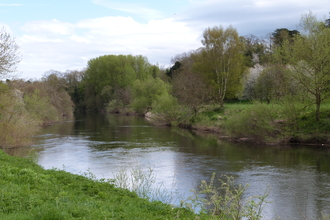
(104,144)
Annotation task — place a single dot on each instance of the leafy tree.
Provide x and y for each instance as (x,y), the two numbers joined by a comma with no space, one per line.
(282,34)
(221,61)
(73,80)
(308,56)
(169,72)
(255,50)
(9,53)
(149,93)
(107,76)
(56,90)
(273,84)
(250,80)
(189,87)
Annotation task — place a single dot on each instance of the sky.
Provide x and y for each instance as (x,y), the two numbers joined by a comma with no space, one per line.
(64,34)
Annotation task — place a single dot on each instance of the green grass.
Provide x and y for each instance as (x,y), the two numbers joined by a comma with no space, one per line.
(30,192)
(270,123)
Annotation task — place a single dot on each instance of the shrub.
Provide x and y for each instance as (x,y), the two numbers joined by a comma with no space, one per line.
(226,201)
(258,122)
(16,124)
(149,93)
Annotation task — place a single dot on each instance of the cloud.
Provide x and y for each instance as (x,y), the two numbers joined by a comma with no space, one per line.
(131,8)
(258,17)
(48,27)
(60,45)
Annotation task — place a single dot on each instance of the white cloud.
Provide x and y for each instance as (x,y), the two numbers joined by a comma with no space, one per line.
(54,44)
(48,27)
(131,8)
(35,38)
(258,17)
(62,45)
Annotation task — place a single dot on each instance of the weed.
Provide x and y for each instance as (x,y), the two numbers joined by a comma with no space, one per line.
(226,201)
(143,183)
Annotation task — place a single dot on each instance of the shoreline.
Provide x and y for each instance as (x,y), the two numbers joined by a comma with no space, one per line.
(221,135)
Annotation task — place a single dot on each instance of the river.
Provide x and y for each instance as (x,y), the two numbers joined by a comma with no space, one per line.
(103,144)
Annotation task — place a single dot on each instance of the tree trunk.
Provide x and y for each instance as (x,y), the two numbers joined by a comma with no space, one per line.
(221,103)
(318,104)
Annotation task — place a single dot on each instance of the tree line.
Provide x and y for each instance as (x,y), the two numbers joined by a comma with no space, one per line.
(288,63)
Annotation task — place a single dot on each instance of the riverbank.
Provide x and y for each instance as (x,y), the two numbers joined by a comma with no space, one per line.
(261,123)
(30,192)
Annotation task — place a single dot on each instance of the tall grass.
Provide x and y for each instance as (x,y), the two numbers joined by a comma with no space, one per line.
(143,183)
(223,202)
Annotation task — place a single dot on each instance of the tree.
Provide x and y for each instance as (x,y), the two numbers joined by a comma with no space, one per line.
(282,34)
(272,84)
(255,50)
(109,76)
(149,93)
(189,87)
(169,72)
(308,56)
(9,53)
(222,61)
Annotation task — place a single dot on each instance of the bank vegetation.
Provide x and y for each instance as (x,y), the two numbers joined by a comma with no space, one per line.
(270,90)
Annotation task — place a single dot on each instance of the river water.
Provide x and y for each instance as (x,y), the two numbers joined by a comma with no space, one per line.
(103,144)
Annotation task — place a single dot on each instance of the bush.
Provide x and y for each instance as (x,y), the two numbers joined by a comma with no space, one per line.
(16,124)
(226,201)
(149,93)
(258,122)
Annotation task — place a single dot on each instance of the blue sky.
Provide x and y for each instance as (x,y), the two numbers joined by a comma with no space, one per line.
(65,34)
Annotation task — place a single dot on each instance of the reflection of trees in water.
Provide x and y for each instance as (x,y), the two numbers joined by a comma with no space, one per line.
(297,176)
(190,158)
(20,151)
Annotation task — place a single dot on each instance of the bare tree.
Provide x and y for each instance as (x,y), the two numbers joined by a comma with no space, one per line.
(9,53)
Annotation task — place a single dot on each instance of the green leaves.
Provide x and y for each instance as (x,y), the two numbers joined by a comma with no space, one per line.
(150,93)
(117,73)
(221,61)
(308,58)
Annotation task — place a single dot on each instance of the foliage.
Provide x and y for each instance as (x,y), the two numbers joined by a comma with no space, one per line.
(72,80)
(9,53)
(143,183)
(16,124)
(273,84)
(226,201)
(40,107)
(256,51)
(283,34)
(308,57)
(221,61)
(176,66)
(149,93)
(259,122)
(108,75)
(250,80)
(190,88)
(27,105)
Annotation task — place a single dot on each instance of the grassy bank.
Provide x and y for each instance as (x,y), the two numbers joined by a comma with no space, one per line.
(30,192)
(276,123)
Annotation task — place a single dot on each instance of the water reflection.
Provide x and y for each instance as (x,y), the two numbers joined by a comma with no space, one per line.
(105,144)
